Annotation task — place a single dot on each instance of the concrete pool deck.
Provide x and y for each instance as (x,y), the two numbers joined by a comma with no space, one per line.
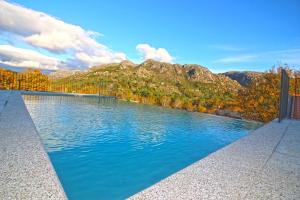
(263,165)
(25,169)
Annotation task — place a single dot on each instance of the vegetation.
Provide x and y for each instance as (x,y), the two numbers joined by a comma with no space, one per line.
(28,80)
(260,100)
(189,87)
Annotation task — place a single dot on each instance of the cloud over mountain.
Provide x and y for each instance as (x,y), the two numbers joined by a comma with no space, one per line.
(18,57)
(158,54)
(46,32)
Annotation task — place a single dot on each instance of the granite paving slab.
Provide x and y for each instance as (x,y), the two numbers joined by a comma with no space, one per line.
(25,169)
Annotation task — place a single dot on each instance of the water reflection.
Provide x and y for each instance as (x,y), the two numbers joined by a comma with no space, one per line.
(78,121)
(65,117)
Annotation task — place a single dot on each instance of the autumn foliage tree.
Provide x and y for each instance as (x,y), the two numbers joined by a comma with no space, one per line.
(33,79)
(260,100)
(7,79)
(30,79)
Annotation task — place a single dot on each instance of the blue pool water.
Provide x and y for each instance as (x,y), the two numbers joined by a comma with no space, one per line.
(109,149)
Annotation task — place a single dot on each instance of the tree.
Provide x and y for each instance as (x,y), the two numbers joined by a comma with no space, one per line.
(261,99)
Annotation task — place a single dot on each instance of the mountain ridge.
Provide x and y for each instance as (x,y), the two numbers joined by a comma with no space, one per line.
(192,72)
(189,86)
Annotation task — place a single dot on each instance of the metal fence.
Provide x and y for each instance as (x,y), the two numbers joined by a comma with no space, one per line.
(38,82)
(284,96)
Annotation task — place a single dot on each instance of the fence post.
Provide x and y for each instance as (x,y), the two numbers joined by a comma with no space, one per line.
(19,85)
(284,94)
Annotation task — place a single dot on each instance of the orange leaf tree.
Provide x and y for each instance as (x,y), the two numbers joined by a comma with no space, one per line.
(261,99)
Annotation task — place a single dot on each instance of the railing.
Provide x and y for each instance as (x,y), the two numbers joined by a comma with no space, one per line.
(40,82)
(284,96)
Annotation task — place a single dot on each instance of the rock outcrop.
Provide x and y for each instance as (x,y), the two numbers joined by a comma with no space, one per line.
(243,78)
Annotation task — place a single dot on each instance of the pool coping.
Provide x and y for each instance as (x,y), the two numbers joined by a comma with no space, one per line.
(26,171)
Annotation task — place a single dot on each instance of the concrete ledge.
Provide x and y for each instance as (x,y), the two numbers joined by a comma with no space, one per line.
(262,165)
(63,94)
(25,169)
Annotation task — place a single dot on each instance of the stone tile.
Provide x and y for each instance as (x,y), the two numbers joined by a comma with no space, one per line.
(294,125)
(284,162)
(274,183)
(25,169)
(294,178)
(241,157)
(266,190)
(290,144)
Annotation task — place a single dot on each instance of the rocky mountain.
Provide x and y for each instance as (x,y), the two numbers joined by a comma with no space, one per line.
(63,74)
(191,87)
(154,69)
(243,78)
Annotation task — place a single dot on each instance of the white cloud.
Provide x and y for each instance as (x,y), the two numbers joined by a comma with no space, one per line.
(289,56)
(44,31)
(159,54)
(17,57)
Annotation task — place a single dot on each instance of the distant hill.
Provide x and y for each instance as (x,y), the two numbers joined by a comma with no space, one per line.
(63,73)
(149,71)
(191,87)
(152,69)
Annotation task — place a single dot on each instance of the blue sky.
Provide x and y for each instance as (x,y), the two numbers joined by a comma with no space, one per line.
(222,35)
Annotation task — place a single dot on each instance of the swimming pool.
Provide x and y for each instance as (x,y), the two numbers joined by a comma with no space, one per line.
(102,148)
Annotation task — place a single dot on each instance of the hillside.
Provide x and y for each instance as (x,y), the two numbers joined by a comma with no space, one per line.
(62,74)
(191,87)
(150,71)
